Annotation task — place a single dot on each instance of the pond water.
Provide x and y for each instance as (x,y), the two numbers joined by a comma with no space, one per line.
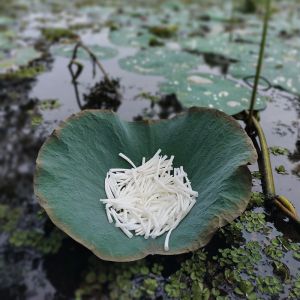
(37,261)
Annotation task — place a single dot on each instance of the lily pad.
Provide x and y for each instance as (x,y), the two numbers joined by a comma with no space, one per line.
(132,37)
(19,57)
(220,44)
(72,164)
(5,42)
(207,90)
(278,73)
(160,61)
(99,51)
(6,21)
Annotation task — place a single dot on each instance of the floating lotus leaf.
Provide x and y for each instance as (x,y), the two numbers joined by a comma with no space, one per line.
(283,71)
(206,90)
(100,52)
(132,37)
(220,44)
(137,16)
(160,61)
(73,162)
(218,13)
(6,42)
(5,21)
(19,57)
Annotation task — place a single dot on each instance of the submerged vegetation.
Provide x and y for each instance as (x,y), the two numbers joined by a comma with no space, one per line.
(158,56)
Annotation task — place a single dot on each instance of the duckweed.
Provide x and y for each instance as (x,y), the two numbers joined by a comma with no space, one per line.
(37,240)
(281,170)
(49,104)
(276,150)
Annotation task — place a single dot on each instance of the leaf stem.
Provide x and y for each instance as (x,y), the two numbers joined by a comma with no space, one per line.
(266,162)
(266,168)
(260,59)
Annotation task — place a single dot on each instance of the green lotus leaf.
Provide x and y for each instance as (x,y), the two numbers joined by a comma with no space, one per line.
(73,162)
(282,72)
(5,41)
(220,44)
(136,16)
(132,37)
(100,52)
(207,90)
(160,61)
(6,21)
(19,57)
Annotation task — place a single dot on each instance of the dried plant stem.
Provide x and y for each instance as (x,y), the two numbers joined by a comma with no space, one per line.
(260,60)
(93,57)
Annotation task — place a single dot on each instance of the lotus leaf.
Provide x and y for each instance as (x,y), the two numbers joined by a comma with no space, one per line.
(5,21)
(100,52)
(284,73)
(19,57)
(160,61)
(73,162)
(132,37)
(204,90)
(137,16)
(220,44)
(5,42)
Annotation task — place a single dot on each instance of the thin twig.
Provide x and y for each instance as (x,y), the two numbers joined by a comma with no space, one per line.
(260,60)
(75,85)
(93,57)
(78,71)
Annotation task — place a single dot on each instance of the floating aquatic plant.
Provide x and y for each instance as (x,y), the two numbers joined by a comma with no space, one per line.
(17,58)
(160,61)
(134,37)
(207,90)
